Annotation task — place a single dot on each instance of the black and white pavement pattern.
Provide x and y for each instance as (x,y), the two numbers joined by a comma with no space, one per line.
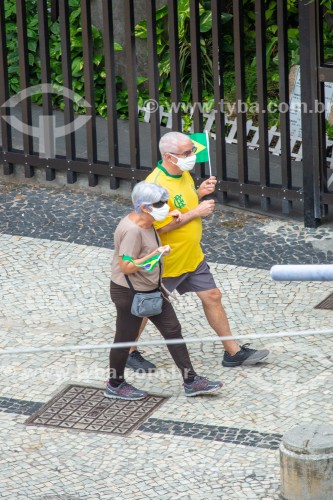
(55,254)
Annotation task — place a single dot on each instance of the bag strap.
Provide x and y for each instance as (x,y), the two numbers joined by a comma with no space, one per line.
(129,283)
(159,264)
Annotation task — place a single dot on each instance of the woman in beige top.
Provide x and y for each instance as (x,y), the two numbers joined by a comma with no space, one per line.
(136,237)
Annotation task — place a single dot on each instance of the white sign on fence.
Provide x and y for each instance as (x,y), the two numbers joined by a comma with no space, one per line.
(296,105)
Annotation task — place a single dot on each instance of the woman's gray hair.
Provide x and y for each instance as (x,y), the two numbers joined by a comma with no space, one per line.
(147,193)
(170,141)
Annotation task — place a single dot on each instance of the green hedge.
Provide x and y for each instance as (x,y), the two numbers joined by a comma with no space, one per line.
(163,53)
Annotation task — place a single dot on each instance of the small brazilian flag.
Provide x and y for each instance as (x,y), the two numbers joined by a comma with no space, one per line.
(201,141)
(148,264)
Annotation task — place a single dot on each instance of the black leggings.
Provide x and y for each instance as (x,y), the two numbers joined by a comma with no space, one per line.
(127,329)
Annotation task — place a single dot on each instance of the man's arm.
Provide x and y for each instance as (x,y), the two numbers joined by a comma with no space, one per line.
(204,209)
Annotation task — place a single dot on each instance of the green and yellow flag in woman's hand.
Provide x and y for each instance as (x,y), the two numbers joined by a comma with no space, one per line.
(148,264)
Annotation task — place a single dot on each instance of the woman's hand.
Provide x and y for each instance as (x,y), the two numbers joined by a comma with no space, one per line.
(178,216)
(165,250)
(127,267)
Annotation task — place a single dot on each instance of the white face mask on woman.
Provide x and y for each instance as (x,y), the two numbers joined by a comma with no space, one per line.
(186,164)
(161,213)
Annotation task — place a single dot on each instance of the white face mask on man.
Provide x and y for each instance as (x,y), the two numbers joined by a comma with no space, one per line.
(161,213)
(185,164)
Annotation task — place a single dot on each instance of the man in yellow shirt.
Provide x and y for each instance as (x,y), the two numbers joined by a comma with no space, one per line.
(185,268)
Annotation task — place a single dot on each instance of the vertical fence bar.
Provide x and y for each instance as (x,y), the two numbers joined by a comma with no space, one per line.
(111,97)
(4,93)
(196,77)
(153,80)
(24,80)
(262,99)
(174,66)
(221,159)
(132,85)
(310,126)
(88,70)
(322,116)
(282,21)
(46,78)
(238,12)
(320,179)
(66,65)
(54,10)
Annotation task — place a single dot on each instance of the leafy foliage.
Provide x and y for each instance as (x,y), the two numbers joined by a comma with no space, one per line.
(184,48)
(55,53)
(163,52)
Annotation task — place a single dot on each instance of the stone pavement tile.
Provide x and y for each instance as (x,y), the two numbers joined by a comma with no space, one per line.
(56,293)
(41,309)
(231,236)
(65,464)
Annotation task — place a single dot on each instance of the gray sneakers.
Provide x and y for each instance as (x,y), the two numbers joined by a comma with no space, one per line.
(124,391)
(139,364)
(201,385)
(245,356)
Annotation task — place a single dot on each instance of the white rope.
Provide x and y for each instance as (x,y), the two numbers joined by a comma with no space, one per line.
(190,340)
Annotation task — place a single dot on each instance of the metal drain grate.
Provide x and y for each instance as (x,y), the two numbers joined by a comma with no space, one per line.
(326,304)
(85,408)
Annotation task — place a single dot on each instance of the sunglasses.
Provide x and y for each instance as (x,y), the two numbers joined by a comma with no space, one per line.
(158,204)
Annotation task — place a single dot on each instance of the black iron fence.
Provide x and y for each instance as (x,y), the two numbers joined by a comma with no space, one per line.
(247,176)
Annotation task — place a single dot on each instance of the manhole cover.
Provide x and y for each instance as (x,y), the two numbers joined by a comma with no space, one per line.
(86,409)
(327,303)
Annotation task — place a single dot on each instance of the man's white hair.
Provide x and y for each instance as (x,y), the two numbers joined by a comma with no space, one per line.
(170,142)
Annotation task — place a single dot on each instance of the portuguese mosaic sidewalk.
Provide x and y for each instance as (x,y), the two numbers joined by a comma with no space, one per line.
(56,249)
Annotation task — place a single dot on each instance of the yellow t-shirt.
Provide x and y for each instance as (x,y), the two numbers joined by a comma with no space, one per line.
(186,253)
